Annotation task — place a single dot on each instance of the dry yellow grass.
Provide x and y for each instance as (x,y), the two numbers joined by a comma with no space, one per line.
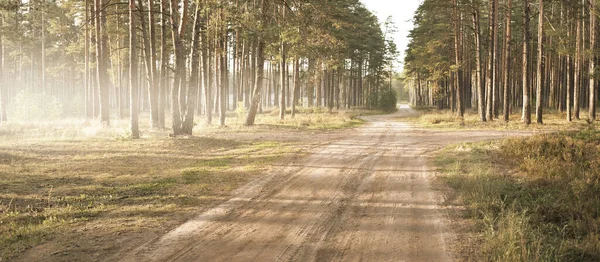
(445,119)
(75,179)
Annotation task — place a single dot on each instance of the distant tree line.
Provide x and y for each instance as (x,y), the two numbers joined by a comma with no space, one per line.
(500,56)
(179,58)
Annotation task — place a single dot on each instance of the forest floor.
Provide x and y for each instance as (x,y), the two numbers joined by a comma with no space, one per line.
(554,120)
(79,192)
(237,194)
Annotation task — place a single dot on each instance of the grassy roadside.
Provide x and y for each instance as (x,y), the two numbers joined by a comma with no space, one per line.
(532,199)
(314,118)
(447,120)
(62,180)
(48,188)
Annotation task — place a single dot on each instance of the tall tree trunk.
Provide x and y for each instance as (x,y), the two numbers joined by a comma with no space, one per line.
(569,84)
(459,77)
(526,102)
(155,86)
(506,70)
(592,92)
(224,72)
(319,73)
(478,76)
(491,68)
(296,85)
(282,80)
(86,74)
(149,60)
(310,85)
(283,74)
(577,71)
(208,69)
(133,73)
(260,60)
(192,92)
(119,72)
(539,96)
(102,62)
(43,40)
(177,31)
(163,89)
(3,87)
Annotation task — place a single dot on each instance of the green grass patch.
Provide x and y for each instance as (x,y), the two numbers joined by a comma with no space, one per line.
(52,187)
(533,199)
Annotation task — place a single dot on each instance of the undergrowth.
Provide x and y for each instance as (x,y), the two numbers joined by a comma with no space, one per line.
(533,199)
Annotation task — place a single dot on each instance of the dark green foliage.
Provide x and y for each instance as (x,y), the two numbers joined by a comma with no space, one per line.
(385,100)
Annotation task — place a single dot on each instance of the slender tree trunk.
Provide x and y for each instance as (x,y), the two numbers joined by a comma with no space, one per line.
(539,96)
(457,45)
(224,73)
(319,73)
(163,89)
(133,73)
(507,68)
(102,62)
(569,85)
(155,85)
(149,59)
(43,31)
(3,87)
(192,92)
(478,75)
(526,102)
(260,60)
(283,75)
(86,74)
(491,67)
(296,85)
(208,69)
(577,71)
(119,73)
(235,65)
(177,31)
(592,92)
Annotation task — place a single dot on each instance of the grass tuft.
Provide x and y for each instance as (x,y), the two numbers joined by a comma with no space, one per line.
(534,199)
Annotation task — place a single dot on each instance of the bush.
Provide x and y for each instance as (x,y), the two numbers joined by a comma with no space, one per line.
(385,100)
(30,106)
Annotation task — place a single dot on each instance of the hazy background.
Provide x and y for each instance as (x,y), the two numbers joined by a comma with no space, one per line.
(402,12)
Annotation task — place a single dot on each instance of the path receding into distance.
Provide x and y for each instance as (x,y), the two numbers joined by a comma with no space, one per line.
(367,197)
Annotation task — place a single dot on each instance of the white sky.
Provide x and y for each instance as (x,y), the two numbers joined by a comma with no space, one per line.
(402,12)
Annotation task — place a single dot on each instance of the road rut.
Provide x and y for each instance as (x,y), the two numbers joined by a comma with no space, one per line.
(366,197)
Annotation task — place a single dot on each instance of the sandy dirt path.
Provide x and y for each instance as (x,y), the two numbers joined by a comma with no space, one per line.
(366,197)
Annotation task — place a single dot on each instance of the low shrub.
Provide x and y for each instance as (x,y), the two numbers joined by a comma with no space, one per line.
(535,199)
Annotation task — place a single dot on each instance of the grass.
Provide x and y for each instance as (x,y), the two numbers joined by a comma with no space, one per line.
(532,199)
(74,180)
(447,120)
(48,186)
(59,181)
(314,118)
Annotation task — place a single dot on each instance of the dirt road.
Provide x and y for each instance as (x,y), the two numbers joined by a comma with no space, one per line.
(366,197)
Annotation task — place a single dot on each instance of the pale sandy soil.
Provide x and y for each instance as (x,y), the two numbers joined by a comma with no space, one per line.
(367,196)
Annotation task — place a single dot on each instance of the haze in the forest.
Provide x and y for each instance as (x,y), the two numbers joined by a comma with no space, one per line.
(401,12)
(168,61)
(283,130)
